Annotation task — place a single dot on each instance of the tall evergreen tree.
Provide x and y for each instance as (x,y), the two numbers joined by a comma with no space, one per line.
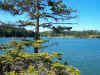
(42,13)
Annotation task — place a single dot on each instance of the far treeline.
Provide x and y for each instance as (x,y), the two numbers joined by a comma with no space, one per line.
(11,31)
(73,34)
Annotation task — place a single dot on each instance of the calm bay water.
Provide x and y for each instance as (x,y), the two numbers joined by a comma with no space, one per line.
(81,53)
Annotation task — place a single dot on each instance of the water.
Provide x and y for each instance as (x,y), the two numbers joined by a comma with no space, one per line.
(81,53)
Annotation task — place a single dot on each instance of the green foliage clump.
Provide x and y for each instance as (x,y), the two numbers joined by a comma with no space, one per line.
(24,63)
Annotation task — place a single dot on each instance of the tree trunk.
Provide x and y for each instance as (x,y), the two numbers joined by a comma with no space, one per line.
(37,26)
(2,69)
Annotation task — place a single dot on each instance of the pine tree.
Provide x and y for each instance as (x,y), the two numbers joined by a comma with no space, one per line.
(49,11)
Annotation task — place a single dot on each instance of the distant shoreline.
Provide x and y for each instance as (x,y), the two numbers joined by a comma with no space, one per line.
(72,36)
(91,36)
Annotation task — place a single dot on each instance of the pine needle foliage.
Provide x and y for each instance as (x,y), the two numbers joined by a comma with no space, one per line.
(15,60)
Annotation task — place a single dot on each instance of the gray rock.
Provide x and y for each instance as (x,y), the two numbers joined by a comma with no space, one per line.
(43,72)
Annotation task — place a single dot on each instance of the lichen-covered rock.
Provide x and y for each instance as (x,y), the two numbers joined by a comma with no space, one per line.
(38,64)
(43,72)
(72,70)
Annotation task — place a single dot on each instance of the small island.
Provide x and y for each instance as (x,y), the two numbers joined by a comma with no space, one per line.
(14,57)
(49,37)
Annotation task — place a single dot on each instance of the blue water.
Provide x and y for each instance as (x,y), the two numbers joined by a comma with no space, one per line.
(81,53)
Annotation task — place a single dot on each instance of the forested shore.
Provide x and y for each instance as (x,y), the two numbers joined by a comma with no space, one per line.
(11,31)
(73,34)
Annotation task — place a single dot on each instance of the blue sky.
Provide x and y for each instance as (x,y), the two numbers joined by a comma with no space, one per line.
(88,11)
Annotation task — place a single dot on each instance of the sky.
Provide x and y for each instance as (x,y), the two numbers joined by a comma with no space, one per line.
(88,14)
